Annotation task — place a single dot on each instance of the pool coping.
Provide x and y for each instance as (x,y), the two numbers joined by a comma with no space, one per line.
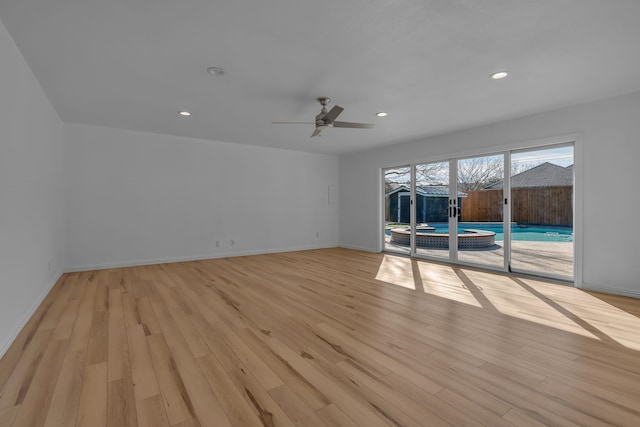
(470,238)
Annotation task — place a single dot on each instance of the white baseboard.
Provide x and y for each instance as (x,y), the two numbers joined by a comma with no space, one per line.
(7,341)
(358,248)
(622,292)
(135,263)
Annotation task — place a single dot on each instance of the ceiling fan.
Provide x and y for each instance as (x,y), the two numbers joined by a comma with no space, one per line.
(327,119)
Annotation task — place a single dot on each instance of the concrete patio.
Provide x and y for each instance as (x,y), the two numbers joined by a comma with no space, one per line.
(555,258)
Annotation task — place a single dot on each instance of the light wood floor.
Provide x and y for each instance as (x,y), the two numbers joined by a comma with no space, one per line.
(322,338)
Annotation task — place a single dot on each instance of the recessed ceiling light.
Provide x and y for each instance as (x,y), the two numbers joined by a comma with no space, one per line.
(215,71)
(184,113)
(382,114)
(499,75)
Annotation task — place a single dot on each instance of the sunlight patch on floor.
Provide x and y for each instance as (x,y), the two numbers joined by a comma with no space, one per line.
(546,304)
(604,320)
(396,271)
(441,281)
(430,278)
(524,301)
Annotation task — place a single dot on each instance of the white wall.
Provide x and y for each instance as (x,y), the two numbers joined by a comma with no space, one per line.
(31,237)
(135,198)
(610,149)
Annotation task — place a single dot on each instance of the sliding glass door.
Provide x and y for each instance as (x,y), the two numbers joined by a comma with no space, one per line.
(458,218)
(397,209)
(510,211)
(542,211)
(432,210)
(481,225)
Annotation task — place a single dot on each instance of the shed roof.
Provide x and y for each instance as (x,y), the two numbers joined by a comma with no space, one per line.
(544,175)
(427,191)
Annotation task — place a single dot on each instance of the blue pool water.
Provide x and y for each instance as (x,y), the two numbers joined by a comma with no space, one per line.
(530,233)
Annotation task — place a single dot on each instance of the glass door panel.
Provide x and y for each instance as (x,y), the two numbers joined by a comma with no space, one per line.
(432,210)
(542,212)
(481,219)
(397,209)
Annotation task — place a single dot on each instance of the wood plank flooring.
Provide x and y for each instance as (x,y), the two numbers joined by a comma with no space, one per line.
(321,338)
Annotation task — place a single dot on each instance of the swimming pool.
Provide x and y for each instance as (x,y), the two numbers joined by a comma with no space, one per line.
(528,233)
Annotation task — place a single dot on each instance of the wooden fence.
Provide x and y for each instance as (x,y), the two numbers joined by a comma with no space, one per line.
(545,205)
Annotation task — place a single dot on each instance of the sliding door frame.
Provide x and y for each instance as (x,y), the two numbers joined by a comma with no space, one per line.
(531,272)
(576,139)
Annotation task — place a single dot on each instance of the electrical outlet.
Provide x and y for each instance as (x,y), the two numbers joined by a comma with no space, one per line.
(317,234)
(233,242)
(217,243)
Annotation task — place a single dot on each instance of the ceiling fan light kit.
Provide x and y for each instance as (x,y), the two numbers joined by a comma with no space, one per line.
(327,119)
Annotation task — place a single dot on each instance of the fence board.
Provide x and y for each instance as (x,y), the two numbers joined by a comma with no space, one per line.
(543,205)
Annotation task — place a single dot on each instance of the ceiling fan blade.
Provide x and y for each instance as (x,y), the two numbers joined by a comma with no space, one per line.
(332,114)
(315,133)
(352,125)
(293,123)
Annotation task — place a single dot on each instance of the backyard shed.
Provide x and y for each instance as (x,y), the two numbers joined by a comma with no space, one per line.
(431,204)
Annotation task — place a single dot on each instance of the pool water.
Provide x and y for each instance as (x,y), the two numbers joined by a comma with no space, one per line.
(528,233)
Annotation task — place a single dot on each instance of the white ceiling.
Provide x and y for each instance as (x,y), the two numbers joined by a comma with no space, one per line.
(133,64)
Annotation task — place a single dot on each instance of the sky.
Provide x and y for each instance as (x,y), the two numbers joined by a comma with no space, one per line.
(561,156)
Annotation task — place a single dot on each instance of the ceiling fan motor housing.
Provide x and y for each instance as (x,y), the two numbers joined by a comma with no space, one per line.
(326,119)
